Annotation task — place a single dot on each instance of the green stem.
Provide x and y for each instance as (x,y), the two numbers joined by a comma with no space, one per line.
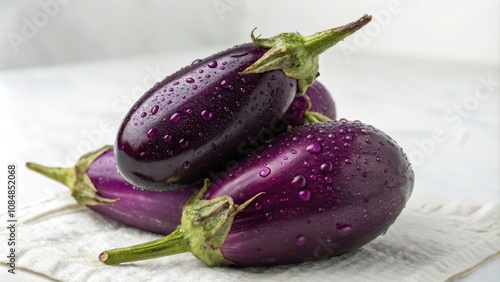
(297,55)
(175,243)
(315,117)
(66,176)
(76,178)
(323,40)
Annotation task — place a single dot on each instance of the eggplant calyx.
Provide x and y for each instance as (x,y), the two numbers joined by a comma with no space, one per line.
(315,117)
(76,178)
(297,55)
(203,230)
(208,222)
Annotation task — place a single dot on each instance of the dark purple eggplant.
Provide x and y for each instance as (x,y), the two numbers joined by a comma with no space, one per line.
(321,100)
(317,191)
(194,120)
(95,183)
(316,100)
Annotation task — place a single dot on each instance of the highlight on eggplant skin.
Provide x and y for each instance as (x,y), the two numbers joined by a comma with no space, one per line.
(96,183)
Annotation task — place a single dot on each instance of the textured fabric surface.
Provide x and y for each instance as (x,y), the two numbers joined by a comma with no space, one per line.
(430,241)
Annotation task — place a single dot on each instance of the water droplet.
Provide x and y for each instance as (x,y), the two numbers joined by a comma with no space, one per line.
(377,159)
(328,179)
(326,167)
(304,195)
(364,174)
(258,206)
(189,80)
(331,136)
(314,148)
(188,111)
(348,161)
(321,210)
(206,115)
(151,132)
(196,61)
(222,68)
(175,117)
(143,114)
(212,64)
(293,152)
(299,181)
(171,89)
(265,172)
(364,131)
(195,87)
(186,165)
(224,83)
(343,229)
(142,154)
(154,110)
(310,137)
(367,140)
(342,120)
(300,240)
(184,143)
(341,131)
(167,138)
(242,90)
(348,137)
(308,221)
(386,170)
(269,216)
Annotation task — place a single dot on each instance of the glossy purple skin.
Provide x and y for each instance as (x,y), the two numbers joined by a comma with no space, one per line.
(193,121)
(158,212)
(330,188)
(295,113)
(321,100)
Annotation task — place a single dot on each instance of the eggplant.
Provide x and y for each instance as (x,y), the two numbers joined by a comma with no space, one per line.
(321,100)
(316,100)
(95,183)
(318,190)
(194,120)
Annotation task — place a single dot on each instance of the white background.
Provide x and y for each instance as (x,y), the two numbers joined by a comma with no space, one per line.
(74,30)
(67,67)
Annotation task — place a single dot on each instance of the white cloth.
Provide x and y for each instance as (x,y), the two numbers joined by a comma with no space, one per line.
(430,241)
